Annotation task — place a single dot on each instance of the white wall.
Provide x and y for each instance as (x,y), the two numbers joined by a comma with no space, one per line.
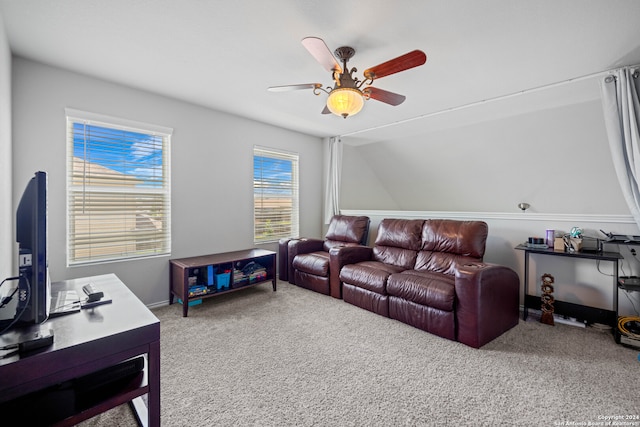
(212,165)
(6,207)
(556,159)
(362,185)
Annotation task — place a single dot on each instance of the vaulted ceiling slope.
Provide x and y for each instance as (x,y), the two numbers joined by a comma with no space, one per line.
(224,54)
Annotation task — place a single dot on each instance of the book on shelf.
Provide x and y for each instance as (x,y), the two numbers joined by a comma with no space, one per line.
(198,290)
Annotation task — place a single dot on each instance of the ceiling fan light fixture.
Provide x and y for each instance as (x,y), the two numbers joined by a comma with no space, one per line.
(346,98)
(345,101)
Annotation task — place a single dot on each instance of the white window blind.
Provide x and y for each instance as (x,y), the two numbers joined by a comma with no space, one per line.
(275,195)
(118,189)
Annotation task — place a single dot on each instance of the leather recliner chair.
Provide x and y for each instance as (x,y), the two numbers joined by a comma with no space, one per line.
(315,264)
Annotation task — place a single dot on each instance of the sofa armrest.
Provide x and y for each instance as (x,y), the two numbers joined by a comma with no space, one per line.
(341,256)
(283,258)
(353,254)
(306,245)
(487,302)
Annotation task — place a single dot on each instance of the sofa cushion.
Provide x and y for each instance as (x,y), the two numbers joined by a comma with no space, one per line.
(404,259)
(370,275)
(345,229)
(424,288)
(398,242)
(445,243)
(466,238)
(440,262)
(400,233)
(314,263)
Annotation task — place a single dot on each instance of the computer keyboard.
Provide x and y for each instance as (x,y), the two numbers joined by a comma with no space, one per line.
(64,302)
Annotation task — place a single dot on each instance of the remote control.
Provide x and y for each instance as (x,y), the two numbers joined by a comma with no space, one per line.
(93,293)
(36,340)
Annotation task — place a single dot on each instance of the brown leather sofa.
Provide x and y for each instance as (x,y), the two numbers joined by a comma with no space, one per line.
(430,274)
(315,263)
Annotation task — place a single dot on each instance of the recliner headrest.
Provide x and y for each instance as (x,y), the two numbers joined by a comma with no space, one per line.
(400,233)
(349,229)
(466,238)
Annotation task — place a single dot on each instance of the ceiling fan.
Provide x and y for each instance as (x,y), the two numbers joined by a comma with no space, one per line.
(347,95)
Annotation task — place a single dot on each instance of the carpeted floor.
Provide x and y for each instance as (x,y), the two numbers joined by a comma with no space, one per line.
(295,357)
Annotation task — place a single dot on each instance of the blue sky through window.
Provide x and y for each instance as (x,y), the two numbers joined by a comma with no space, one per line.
(135,154)
(272,176)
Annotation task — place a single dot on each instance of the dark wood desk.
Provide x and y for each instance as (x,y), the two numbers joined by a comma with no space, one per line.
(589,314)
(86,342)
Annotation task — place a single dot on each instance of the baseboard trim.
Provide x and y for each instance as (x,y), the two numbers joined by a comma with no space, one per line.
(158,304)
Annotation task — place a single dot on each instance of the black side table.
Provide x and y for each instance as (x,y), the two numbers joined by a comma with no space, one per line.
(582,312)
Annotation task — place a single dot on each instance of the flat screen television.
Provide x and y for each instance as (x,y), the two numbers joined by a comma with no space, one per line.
(34,286)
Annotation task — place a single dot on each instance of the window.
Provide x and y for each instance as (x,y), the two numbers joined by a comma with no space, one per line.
(118,189)
(275,195)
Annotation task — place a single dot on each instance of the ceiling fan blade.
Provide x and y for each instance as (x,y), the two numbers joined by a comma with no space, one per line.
(326,110)
(288,88)
(408,60)
(319,50)
(385,96)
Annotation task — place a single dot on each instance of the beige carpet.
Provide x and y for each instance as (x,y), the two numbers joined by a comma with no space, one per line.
(295,357)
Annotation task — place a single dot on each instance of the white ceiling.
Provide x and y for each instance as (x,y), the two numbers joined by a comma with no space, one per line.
(224,54)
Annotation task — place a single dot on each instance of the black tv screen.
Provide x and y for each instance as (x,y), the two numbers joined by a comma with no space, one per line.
(31,234)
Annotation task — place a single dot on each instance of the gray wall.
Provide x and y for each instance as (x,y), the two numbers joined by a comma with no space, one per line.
(211,158)
(555,158)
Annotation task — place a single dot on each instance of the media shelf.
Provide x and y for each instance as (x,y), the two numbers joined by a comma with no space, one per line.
(580,312)
(206,276)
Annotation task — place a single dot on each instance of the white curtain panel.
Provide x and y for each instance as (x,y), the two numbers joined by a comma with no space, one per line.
(622,120)
(332,194)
